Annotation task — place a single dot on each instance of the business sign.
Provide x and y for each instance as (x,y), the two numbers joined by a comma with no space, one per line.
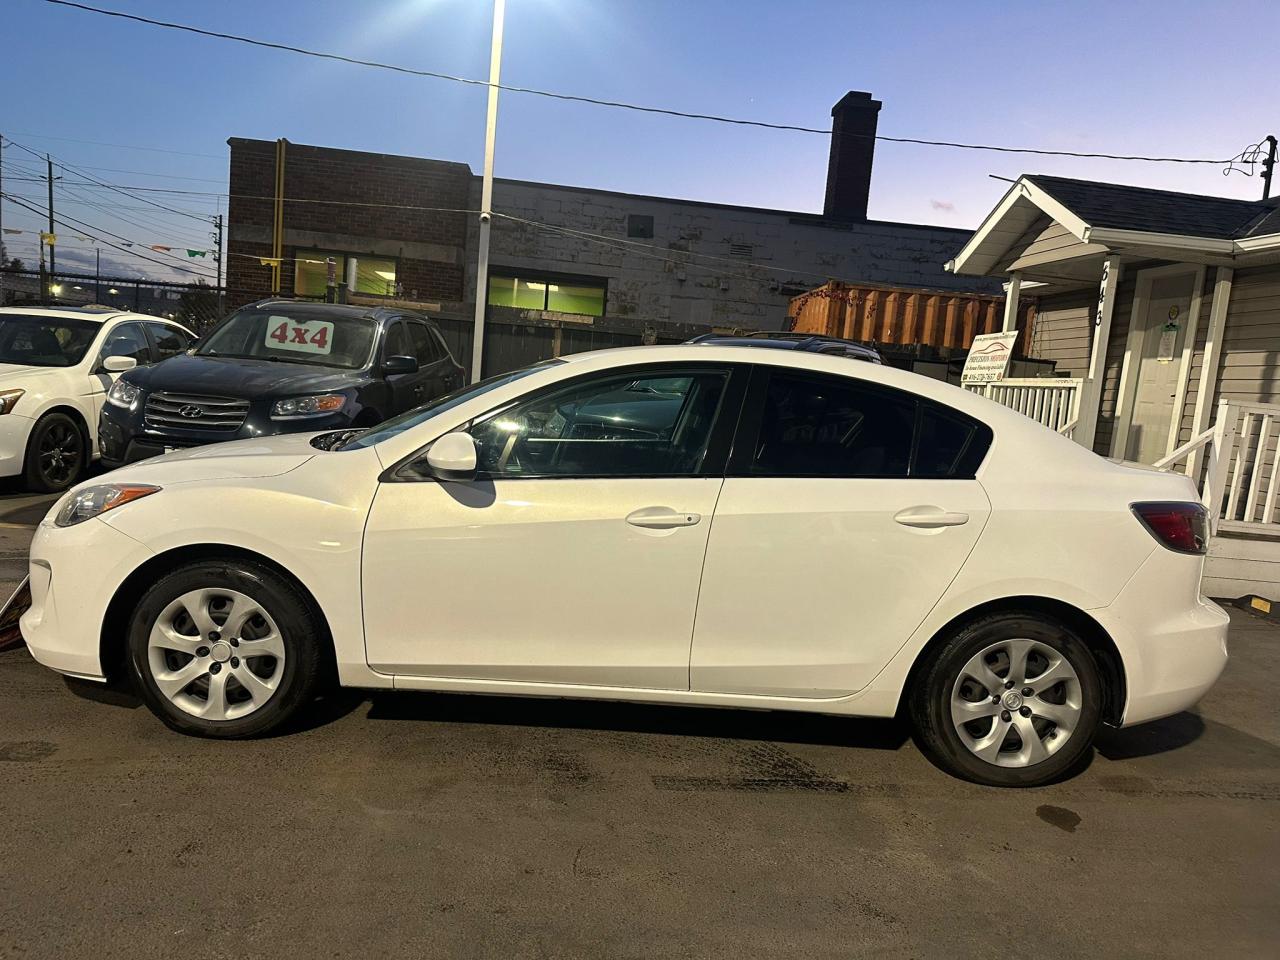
(989,357)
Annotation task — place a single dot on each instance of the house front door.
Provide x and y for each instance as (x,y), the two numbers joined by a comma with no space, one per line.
(1164,319)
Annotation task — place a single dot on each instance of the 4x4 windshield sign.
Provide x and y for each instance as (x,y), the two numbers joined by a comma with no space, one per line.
(302,336)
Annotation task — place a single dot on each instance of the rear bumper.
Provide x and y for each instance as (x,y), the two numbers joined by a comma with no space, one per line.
(75,571)
(1172,640)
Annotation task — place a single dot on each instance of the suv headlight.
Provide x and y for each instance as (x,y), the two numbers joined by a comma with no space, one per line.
(123,394)
(9,399)
(98,499)
(319,405)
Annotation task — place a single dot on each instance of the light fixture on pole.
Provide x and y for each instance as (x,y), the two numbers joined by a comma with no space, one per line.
(486,192)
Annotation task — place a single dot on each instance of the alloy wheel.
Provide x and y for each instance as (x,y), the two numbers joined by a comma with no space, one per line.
(216,654)
(59,454)
(1016,702)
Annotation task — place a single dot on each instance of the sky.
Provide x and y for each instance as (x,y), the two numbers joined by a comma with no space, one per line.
(1161,78)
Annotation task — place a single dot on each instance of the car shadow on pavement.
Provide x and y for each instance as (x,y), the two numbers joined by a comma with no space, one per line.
(767,725)
(1149,739)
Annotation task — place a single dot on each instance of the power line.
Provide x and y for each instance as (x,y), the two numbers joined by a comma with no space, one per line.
(88,176)
(611,103)
(90,228)
(119,146)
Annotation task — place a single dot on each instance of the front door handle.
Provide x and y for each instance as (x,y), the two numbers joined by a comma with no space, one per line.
(929,517)
(662,518)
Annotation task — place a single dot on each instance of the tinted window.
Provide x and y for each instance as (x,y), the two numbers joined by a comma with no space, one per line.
(128,340)
(170,341)
(947,445)
(398,344)
(44,341)
(818,427)
(612,426)
(287,333)
(424,345)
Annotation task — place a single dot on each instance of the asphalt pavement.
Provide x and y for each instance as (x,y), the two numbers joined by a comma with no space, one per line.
(449,826)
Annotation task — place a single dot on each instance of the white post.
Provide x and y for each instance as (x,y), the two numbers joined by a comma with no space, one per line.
(1209,363)
(1091,398)
(1011,303)
(486,192)
(1215,481)
(353,274)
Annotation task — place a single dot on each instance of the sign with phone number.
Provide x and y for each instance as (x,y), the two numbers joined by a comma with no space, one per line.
(301,336)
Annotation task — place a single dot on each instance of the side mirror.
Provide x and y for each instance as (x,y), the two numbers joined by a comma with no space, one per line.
(396,365)
(118,364)
(453,457)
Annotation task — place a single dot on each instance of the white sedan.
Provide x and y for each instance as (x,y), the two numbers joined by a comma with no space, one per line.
(700,524)
(56,365)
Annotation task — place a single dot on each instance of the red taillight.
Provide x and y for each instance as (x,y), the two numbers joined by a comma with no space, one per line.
(1183,527)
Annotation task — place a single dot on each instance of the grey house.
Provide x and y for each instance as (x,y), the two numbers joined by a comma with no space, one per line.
(1163,311)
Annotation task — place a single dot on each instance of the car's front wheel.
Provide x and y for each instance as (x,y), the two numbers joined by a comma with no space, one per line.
(225,649)
(56,454)
(1010,700)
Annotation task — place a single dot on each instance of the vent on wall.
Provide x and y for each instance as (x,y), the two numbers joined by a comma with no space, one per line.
(640,226)
(744,250)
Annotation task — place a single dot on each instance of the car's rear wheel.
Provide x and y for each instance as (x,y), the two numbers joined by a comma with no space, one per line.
(1011,700)
(56,454)
(225,649)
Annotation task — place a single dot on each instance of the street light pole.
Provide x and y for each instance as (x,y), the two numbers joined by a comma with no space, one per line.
(486,191)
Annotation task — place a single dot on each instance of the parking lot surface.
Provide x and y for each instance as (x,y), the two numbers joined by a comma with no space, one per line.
(434,825)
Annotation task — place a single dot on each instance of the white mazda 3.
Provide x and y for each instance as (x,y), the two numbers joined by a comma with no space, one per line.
(699,524)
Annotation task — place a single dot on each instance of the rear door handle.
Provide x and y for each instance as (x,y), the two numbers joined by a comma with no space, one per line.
(929,517)
(662,518)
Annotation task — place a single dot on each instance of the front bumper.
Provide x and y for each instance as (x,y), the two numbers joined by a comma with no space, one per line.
(14,431)
(1172,640)
(124,438)
(75,571)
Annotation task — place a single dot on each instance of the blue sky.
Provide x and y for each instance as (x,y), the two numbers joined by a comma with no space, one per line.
(1168,78)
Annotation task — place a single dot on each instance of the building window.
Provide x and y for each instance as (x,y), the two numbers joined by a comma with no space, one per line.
(533,293)
(640,226)
(374,275)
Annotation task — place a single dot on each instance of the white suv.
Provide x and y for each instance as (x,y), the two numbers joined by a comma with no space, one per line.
(56,365)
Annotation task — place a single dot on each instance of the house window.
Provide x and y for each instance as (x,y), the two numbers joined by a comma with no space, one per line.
(640,226)
(374,275)
(544,293)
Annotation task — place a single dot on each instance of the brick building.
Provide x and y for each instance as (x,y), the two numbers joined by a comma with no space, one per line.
(391,224)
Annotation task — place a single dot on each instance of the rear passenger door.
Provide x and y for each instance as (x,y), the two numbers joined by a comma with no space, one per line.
(436,368)
(848,509)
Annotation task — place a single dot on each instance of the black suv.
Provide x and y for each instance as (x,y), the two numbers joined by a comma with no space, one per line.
(279,366)
(807,342)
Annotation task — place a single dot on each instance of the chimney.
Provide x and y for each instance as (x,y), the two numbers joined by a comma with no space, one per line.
(853,131)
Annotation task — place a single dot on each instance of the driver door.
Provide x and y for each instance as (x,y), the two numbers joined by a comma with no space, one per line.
(574,556)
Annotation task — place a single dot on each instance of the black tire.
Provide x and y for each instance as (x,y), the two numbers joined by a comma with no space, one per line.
(930,701)
(300,629)
(56,454)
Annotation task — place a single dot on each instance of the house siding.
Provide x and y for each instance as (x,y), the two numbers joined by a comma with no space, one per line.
(1062,331)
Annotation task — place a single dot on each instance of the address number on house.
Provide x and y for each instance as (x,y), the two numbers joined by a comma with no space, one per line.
(308,336)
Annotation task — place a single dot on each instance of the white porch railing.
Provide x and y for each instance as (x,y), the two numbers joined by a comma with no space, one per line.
(1055,402)
(1242,451)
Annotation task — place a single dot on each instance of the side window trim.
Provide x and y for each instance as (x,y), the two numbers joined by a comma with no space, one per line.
(714,461)
(415,323)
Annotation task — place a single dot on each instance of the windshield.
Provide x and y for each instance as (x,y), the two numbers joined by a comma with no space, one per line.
(45,341)
(310,337)
(398,425)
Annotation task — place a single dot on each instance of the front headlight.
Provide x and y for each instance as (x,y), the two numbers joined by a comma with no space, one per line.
(316,406)
(123,394)
(9,399)
(97,500)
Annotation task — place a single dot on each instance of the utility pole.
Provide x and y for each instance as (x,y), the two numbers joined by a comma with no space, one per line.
(52,253)
(486,192)
(97,273)
(1268,167)
(217,239)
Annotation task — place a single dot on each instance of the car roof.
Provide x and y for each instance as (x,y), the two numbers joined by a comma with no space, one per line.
(92,312)
(352,311)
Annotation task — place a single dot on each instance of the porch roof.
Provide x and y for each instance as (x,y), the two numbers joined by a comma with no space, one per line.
(1054,226)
